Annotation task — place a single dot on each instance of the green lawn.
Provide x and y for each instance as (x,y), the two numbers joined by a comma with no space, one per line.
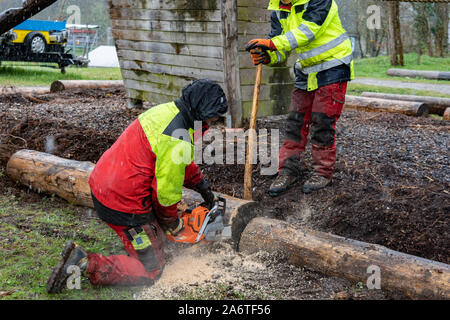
(29,74)
(377,67)
(32,236)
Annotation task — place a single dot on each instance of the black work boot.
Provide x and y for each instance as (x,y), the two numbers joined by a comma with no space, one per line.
(282,183)
(72,255)
(315,182)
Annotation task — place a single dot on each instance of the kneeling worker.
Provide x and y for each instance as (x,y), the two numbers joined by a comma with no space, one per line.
(137,184)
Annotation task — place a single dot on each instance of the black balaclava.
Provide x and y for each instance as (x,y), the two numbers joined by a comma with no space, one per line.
(202,100)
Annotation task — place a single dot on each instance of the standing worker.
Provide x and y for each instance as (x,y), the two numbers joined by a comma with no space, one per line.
(324,66)
(137,184)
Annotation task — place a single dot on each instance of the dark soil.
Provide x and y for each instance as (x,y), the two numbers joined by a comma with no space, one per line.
(391,185)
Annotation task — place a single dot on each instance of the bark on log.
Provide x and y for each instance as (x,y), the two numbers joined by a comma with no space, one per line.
(435,75)
(332,255)
(383,105)
(435,105)
(15,16)
(446,115)
(24,90)
(60,85)
(69,180)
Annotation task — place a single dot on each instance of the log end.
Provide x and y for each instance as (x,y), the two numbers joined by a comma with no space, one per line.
(56,86)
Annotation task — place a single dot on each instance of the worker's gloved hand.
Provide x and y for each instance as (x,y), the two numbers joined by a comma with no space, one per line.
(204,188)
(259,57)
(176,227)
(262,44)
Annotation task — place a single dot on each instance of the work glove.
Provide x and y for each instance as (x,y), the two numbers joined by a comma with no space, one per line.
(263,44)
(175,227)
(204,188)
(259,57)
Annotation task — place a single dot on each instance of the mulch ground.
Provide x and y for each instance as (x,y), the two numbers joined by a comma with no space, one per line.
(391,185)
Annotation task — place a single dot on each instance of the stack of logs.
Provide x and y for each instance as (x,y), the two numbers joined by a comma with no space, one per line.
(328,254)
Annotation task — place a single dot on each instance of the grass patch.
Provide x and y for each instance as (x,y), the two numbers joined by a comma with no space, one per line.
(357,89)
(377,67)
(31,74)
(31,239)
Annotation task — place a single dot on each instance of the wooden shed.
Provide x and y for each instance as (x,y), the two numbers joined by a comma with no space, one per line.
(165,44)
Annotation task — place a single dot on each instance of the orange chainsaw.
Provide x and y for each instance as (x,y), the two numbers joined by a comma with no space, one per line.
(201,223)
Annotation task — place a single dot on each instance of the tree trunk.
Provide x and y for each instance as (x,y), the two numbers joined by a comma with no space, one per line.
(394,40)
(383,105)
(68,179)
(357,261)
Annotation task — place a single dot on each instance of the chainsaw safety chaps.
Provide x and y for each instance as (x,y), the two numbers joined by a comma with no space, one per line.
(315,112)
(143,264)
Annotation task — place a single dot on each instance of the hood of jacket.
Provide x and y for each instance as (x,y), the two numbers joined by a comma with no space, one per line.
(202,100)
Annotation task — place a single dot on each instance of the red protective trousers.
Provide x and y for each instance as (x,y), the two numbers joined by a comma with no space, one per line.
(314,112)
(138,267)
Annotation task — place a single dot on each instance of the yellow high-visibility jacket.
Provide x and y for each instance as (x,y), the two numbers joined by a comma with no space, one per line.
(314,30)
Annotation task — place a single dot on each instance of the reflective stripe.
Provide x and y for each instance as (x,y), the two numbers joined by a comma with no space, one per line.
(325,65)
(278,56)
(324,48)
(292,41)
(307,31)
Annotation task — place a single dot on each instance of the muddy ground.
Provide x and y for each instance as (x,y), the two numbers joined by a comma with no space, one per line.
(391,187)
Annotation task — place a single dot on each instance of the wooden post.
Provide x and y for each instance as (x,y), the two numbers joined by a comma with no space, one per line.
(252,137)
(231,61)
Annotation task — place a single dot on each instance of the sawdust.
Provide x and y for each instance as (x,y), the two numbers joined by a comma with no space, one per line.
(209,271)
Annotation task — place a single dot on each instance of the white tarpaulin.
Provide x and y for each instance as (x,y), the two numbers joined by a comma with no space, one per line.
(103,56)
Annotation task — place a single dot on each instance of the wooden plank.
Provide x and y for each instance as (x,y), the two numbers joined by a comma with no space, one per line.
(253,3)
(254,14)
(270,75)
(175,26)
(170,37)
(164,15)
(268,91)
(173,70)
(171,48)
(254,28)
(266,108)
(156,78)
(152,97)
(166,5)
(230,63)
(167,89)
(171,59)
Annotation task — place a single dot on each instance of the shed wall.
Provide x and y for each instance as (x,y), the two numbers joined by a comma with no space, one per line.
(164,45)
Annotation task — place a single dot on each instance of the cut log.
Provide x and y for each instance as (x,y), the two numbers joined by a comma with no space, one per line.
(60,85)
(409,108)
(435,105)
(353,260)
(447,114)
(435,75)
(24,90)
(68,179)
